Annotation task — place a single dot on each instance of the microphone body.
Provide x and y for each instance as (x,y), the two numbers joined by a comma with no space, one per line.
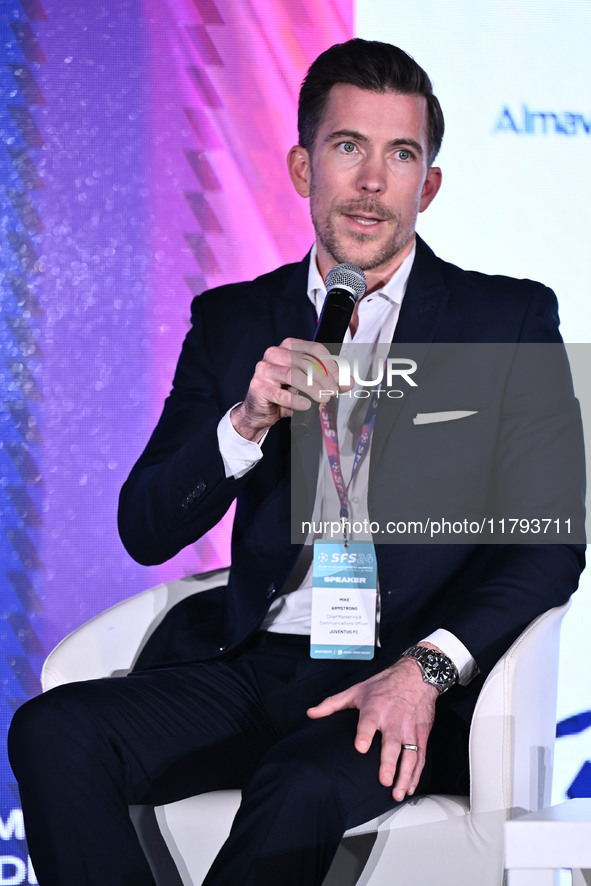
(345,285)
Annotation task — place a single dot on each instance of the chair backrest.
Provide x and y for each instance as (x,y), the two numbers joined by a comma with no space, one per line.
(108,644)
(514,724)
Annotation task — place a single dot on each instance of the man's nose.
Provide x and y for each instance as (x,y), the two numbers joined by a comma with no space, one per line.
(372,175)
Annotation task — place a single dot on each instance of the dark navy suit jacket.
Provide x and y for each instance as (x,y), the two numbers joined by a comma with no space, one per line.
(485,594)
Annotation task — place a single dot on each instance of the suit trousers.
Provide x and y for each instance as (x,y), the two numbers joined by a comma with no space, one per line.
(83,752)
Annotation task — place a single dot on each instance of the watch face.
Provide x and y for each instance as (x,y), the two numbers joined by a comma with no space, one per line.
(438,669)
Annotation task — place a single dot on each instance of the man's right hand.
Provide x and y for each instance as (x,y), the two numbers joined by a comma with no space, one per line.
(273,390)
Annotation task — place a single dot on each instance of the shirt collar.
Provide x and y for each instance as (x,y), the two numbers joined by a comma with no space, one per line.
(391,292)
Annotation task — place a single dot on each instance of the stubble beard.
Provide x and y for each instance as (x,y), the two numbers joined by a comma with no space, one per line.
(345,251)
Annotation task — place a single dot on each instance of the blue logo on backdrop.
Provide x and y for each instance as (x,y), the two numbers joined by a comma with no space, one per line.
(577,725)
(527,122)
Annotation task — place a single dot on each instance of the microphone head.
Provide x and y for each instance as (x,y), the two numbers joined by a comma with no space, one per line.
(347,276)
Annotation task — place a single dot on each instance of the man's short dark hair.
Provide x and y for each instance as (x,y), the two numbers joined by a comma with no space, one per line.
(367,64)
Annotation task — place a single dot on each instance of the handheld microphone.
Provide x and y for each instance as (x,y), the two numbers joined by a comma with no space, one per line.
(345,285)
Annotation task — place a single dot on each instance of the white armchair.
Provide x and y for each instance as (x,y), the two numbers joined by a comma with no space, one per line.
(442,840)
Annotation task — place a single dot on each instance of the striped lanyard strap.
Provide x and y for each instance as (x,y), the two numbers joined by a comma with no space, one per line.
(328,424)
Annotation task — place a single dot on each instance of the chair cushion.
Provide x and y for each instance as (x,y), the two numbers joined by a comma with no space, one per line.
(195,829)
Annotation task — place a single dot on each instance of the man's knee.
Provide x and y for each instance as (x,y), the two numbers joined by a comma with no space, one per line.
(46,724)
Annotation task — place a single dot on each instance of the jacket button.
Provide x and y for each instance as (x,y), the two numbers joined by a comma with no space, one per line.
(270,591)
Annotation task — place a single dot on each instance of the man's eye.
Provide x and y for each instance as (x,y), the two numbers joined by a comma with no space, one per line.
(348,147)
(404,154)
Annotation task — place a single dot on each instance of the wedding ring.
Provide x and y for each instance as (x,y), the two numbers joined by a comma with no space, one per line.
(410,747)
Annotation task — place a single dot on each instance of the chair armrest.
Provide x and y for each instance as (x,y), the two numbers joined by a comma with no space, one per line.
(514,723)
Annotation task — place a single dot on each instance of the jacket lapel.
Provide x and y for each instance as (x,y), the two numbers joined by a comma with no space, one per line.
(294,315)
(421,314)
(425,300)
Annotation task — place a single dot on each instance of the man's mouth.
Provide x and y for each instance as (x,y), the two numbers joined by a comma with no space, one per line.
(369,215)
(366,221)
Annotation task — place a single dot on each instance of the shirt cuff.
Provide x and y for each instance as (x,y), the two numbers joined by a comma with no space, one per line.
(239,455)
(455,649)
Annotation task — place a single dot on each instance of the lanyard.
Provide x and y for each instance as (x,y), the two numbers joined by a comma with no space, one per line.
(328,423)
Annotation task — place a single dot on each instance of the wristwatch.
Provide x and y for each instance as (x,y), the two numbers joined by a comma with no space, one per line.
(438,669)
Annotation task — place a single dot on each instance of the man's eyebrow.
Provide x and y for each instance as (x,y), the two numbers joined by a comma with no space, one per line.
(360,137)
(346,133)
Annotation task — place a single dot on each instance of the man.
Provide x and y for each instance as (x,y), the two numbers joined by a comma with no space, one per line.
(226,694)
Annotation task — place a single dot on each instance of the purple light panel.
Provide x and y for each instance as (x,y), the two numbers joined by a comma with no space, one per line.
(223,88)
(143,146)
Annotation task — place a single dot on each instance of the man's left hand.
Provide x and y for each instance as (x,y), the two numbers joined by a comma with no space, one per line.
(397,703)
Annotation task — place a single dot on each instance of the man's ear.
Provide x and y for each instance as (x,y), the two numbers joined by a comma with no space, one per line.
(300,172)
(430,188)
